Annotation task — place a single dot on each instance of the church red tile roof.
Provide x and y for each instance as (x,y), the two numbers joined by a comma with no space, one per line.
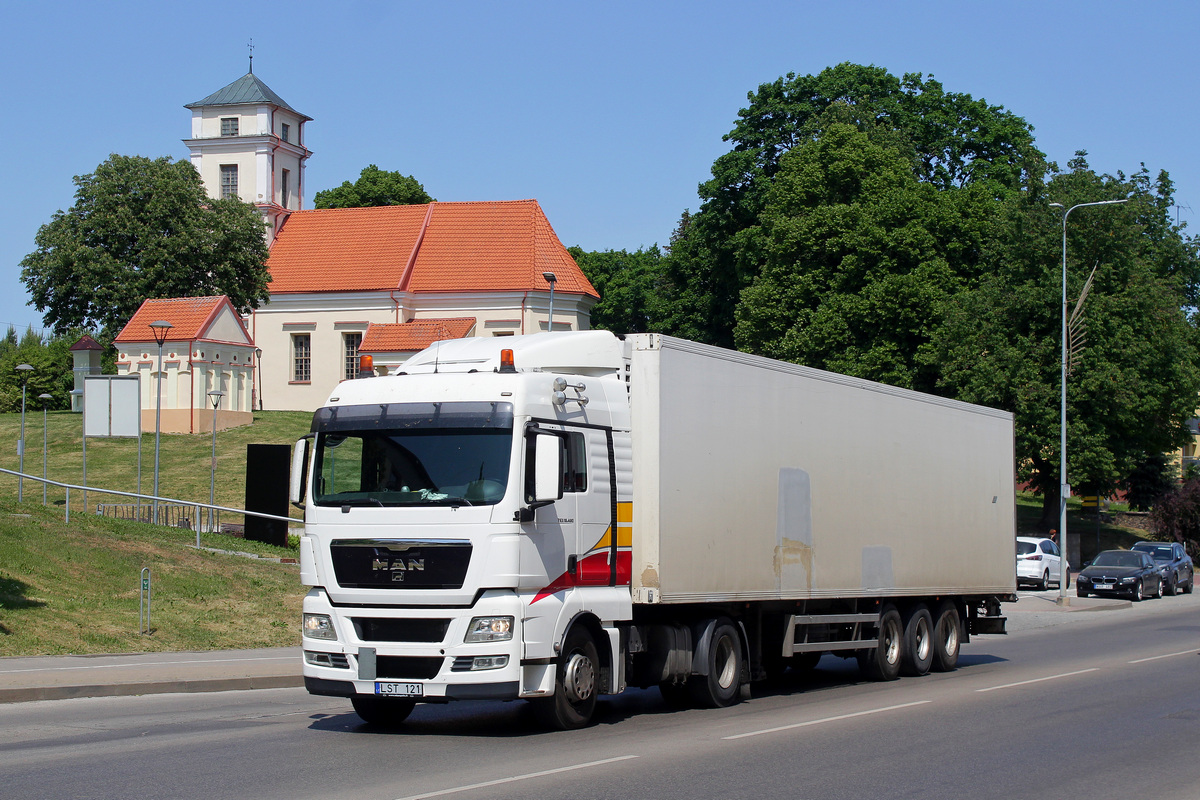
(436,247)
(412,336)
(189,316)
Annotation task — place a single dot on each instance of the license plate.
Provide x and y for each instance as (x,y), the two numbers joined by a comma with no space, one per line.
(396,689)
(1101,586)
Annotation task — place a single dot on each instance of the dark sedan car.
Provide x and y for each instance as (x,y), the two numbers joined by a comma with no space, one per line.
(1173,562)
(1121,572)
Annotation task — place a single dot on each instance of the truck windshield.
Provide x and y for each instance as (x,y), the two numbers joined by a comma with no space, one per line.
(412,454)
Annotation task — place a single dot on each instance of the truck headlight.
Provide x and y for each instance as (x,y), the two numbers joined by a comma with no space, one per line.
(489,629)
(319,626)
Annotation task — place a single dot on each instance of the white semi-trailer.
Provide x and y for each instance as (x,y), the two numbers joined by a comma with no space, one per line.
(559,516)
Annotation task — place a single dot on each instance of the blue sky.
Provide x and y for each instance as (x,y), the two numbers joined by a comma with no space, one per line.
(609,114)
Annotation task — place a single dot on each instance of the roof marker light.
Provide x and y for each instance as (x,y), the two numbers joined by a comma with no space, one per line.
(506,361)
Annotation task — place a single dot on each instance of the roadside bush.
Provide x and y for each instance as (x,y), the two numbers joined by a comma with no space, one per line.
(1176,516)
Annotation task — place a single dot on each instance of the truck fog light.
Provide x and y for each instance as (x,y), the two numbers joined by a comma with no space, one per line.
(319,626)
(489,629)
(489,662)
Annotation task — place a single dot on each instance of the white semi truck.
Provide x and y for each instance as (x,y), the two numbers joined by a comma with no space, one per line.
(558,516)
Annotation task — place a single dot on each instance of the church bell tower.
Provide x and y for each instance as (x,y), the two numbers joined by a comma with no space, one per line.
(248,143)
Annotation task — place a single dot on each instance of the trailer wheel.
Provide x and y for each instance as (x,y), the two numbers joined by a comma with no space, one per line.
(719,688)
(882,663)
(947,637)
(916,652)
(576,684)
(382,711)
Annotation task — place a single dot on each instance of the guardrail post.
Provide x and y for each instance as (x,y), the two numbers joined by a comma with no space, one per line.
(144,603)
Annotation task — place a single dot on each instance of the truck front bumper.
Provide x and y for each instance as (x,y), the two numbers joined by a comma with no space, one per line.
(416,653)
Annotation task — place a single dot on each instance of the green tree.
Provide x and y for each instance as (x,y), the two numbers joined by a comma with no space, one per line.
(1134,384)
(626,284)
(52,370)
(143,228)
(374,187)
(859,258)
(948,140)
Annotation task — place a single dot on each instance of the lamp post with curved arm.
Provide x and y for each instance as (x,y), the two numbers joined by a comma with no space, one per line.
(1064,487)
(45,398)
(24,370)
(160,329)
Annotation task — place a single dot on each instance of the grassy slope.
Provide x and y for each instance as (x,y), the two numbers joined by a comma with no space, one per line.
(75,588)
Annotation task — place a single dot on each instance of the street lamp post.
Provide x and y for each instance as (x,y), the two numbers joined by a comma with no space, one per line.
(24,369)
(1064,487)
(215,396)
(550,279)
(45,398)
(258,369)
(160,329)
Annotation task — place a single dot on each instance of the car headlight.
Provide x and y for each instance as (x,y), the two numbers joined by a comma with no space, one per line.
(1128,580)
(489,629)
(319,626)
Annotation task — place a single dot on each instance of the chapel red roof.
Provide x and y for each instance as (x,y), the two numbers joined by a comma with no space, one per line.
(412,336)
(189,317)
(436,247)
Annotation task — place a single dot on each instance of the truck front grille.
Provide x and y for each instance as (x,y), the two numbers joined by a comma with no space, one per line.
(400,630)
(400,563)
(411,667)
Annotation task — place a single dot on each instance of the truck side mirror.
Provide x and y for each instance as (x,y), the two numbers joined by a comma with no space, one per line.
(544,484)
(296,484)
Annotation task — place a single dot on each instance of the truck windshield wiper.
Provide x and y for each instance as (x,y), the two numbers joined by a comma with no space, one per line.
(450,500)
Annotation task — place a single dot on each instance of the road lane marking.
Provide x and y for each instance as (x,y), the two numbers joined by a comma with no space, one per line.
(1039,680)
(149,664)
(825,719)
(515,778)
(1168,655)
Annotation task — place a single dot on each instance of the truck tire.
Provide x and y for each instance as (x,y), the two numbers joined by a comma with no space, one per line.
(916,651)
(382,712)
(947,637)
(576,684)
(882,663)
(719,688)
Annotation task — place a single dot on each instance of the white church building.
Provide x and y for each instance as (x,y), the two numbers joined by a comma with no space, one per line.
(388,280)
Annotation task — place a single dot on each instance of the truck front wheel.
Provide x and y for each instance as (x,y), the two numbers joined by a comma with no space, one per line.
(883,662)
(719,688)
(576,685)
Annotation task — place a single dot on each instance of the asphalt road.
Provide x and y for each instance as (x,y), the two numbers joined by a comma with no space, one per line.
(1087,704)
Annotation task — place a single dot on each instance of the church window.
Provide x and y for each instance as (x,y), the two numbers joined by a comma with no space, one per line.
(229,126)
(301,358)
(285,132)
(285,187)
(351,343)
(229,181)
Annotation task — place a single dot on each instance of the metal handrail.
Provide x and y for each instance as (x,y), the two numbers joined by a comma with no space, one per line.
(197,506)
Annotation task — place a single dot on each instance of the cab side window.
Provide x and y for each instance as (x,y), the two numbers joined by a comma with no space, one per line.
(574,477)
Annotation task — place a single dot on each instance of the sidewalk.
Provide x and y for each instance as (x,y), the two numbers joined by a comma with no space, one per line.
(59,677)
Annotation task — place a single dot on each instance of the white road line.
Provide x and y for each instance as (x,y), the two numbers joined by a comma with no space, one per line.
(1038,680)
(515,778)
(1168,655)
(826,719)
(150,664)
